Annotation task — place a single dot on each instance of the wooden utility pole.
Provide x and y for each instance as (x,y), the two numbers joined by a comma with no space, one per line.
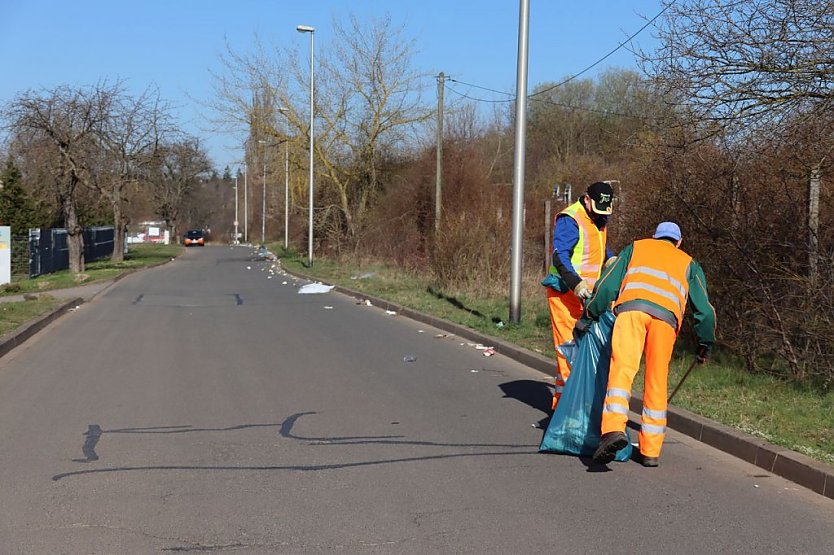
(441,86)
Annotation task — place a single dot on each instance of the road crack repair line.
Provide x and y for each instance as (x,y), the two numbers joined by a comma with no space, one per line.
(95,432)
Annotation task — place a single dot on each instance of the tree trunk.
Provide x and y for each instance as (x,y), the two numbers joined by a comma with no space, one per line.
(75,237)
(119,229)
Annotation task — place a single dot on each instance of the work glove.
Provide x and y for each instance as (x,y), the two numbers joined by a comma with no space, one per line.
(580,329)
(582,290)
(701,354)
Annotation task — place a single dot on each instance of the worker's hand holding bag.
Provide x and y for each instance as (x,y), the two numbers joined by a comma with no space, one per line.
(702,354)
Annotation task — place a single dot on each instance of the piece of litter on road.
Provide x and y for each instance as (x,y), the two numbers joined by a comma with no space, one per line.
(409,358)
(474,371)
(755,485)
(368,302)
(268,277)
(499,324)
(249,267)
(420,331)
(390,312)
(328,307)
(480,347)
(283,283)
(441,335)
(489,351)
(314,288)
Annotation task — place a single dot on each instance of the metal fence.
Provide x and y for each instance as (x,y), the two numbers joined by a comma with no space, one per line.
(48,250)
(20,257)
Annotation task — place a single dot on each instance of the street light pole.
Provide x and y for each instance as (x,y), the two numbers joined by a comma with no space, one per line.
(263,202)
(235,242)
(245,199)
(516,242)
(287,194)
(312,31)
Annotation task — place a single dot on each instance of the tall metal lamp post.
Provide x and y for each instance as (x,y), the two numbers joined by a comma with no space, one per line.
(237,235)
(312,31)
(263,196)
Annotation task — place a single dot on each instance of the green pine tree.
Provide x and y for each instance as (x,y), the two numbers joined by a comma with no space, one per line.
(16,206)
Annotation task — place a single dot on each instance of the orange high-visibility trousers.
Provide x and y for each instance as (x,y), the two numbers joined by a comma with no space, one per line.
(633,333)
(565,310)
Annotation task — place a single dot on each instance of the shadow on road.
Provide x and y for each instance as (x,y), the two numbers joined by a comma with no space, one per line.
(533,393)
(95,433)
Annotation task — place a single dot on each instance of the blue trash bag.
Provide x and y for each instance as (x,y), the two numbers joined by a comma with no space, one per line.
(574,428)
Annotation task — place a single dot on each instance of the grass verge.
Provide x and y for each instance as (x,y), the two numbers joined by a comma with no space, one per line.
(139,256)
(783,414)
(15,314)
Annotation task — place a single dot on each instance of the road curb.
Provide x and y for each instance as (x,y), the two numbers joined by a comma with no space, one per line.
(17,337)
(793,466)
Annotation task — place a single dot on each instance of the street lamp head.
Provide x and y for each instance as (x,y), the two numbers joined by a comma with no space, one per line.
(305,29)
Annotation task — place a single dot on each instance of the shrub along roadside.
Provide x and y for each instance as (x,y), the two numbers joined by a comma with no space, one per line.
(784,414)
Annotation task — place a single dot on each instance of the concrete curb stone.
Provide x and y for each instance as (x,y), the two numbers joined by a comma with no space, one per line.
(793,466)
(17,337)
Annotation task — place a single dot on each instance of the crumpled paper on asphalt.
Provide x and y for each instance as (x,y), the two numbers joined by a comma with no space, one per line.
(315,288)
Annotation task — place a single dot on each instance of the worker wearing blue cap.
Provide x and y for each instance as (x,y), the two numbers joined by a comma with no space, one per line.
(649,284)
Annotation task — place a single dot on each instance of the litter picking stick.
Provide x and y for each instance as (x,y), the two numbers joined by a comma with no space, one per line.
(683,379)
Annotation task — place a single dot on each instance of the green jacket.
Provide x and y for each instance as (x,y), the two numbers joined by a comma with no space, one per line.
(608,288)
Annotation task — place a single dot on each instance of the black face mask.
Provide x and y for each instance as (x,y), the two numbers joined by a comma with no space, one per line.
(599,219)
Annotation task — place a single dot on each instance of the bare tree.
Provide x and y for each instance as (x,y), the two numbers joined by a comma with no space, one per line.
(65,119)
(367,102)
(176,170)
(729,60)
(129,137)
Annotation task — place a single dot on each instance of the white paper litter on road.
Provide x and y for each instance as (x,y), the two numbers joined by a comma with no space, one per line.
(390,312)
(315,288)
(328,308)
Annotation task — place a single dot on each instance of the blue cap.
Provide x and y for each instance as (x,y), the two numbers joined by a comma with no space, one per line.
(667,230)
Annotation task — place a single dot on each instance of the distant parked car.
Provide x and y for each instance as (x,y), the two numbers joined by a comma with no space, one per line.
(195,238)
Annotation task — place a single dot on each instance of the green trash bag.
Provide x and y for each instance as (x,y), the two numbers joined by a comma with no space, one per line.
(574,428)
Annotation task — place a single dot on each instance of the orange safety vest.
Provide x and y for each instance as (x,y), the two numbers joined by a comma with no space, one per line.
(657,273)
(589,252)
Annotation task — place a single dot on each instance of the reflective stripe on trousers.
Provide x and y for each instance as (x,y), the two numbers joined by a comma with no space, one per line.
(565,310)
(634,333)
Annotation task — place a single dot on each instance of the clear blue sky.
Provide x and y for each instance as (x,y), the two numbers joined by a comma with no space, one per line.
(175,44)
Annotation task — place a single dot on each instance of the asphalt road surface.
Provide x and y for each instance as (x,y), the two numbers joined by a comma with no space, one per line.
(206,406)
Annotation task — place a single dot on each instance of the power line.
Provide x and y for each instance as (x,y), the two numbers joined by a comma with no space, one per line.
(544,100)
(464,95)
(568,80)
(628,40)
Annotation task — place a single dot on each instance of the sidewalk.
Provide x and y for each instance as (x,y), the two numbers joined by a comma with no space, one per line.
(85,292)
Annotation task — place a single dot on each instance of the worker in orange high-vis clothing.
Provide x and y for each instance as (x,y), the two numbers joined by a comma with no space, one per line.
(579,252)
(650,284)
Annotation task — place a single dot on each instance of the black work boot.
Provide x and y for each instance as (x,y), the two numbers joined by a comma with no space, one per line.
(650,462)
(609,445)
